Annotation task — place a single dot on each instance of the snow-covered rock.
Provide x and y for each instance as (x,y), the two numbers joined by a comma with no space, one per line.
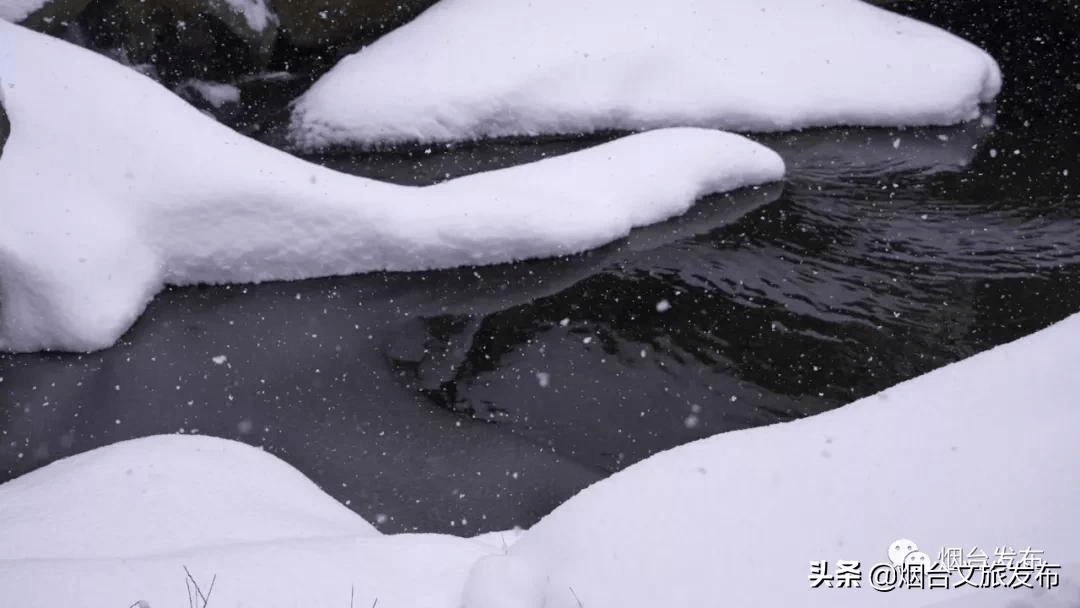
(150,191)
(217,94)
(17,10)
(469,69)
(164,494)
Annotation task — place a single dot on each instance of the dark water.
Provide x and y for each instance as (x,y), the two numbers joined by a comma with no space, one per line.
(478,399)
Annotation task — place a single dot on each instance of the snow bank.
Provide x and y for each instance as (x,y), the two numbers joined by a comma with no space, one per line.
(164,494)
(120,524)
(150,191)
(256,12)
(17,10)
(980,453)
(485,68)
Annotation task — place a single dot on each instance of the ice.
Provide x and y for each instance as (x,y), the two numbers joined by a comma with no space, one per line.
(469,69)
(152,192)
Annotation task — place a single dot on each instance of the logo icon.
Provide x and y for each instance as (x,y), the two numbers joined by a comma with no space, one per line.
(901,548)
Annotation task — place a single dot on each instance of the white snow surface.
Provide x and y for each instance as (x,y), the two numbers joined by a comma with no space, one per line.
(17,10)
(469,69)
(164,494)
(108,194)
(119,524)
(256,12)
(980,453)
(216,94)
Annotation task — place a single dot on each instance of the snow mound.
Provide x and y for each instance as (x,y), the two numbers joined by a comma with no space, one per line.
(151,192)
(469,69)
(981,453)
(17,10)
(160,494)
(125,523)
(404,571)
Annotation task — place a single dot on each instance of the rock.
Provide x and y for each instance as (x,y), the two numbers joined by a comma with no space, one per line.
(323,23)
(5,126)
(54,15)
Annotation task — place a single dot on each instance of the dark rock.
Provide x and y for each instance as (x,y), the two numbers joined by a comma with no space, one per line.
(5,126)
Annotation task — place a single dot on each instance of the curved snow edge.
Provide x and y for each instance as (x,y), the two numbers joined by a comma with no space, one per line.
(483,69)
(95,226)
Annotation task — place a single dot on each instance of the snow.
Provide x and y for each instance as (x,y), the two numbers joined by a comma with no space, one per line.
(502,581)
(255,12)
(980,453)
(17,10)
(164,494)
(490,68)
(395,571)
(216,94)
(95,225)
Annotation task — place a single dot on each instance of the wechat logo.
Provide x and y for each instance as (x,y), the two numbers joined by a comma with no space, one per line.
(904,552)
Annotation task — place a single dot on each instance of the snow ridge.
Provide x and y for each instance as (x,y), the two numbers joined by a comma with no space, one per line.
(94,226)
(472,69)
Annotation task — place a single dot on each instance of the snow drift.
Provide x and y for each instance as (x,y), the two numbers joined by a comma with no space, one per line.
(111,187)
(184,491)
(17,10)
(980,453)
(469,69)
(121,524)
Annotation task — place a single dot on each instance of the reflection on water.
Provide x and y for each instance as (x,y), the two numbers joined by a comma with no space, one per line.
(476,399)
